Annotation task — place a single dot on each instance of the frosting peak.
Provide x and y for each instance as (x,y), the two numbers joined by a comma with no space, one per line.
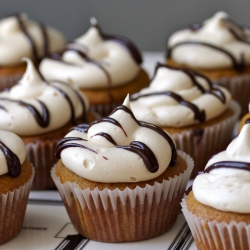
(117,148)
(225,184)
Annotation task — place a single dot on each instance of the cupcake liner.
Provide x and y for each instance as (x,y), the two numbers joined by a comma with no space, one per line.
(9,81)
(12,210)
(217,236)
(239,87)
(104,109)
(128,215)
(202,145)
(42,155)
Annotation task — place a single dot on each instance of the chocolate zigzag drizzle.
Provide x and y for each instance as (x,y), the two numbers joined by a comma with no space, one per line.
(35,52)
(137,147)
(236,30)
(213,90)
(13,162)
(228,164)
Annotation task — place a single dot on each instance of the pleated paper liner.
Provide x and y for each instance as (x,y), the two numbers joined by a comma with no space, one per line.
(12,210)
(128,215)
(213,235)
(214,139)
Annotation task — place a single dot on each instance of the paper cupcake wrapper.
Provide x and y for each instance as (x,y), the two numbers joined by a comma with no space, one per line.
(239,87)
(213,139)
(9,81)
(128,215)
(42,156)
(12,210)
(217,236)
(104,109)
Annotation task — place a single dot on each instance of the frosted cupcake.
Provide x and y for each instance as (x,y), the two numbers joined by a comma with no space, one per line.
(21,37)
(16,176)
(199,116)
(218,48)
(120,179)
(41,113)
(104,67)
(218,208)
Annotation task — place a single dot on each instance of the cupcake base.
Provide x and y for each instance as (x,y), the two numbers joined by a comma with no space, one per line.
(126,214)
(223,232)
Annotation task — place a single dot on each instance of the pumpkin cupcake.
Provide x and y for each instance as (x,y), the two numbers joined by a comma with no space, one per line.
(104,67)
(218,208)
(198,115)
(16,176)
(218,48)
(120,179)
(41,113)
(21,37)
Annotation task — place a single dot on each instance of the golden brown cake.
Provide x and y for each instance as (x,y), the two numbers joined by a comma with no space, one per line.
(120,179)
(16,176)
(104,67)
(218,208)
(218,48)
(21,37)
(199,115)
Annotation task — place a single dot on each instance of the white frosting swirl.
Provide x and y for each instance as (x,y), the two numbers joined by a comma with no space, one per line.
(32,90)
(109,163)
(215,31)
(14,44)
(227,189)
(164,110)
(107,62)
(15,144)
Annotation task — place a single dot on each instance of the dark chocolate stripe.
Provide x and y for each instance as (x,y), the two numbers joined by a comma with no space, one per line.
(228,164)
(198,115)
(42,120)
(12,160)
(138,148)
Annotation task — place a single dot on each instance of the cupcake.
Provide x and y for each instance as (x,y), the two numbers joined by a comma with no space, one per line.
(198,115)
(104,67)
(21,37)
(244,119)
(218,48)
(218,208)
(16,176)
(41,113)
(121,179)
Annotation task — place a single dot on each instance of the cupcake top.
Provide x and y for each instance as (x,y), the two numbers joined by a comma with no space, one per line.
(225,183)
(217,43)
(94,60)
(21,37)
(178,97)
(34,106)
(117,148)
(12,153)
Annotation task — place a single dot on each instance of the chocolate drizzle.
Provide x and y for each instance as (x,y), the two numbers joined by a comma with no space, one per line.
(198,115)
(247,121)
(236,30)
(228,164)
(13,162)
(137,147)
(34,49)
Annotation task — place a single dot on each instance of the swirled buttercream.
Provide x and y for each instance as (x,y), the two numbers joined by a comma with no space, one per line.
(34,106)
(217,43)
(21,37)
(179,97)
(12,153)
(117,148)
(94,60)
(225,184)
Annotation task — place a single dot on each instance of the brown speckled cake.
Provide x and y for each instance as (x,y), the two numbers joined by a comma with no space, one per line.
(120,179)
